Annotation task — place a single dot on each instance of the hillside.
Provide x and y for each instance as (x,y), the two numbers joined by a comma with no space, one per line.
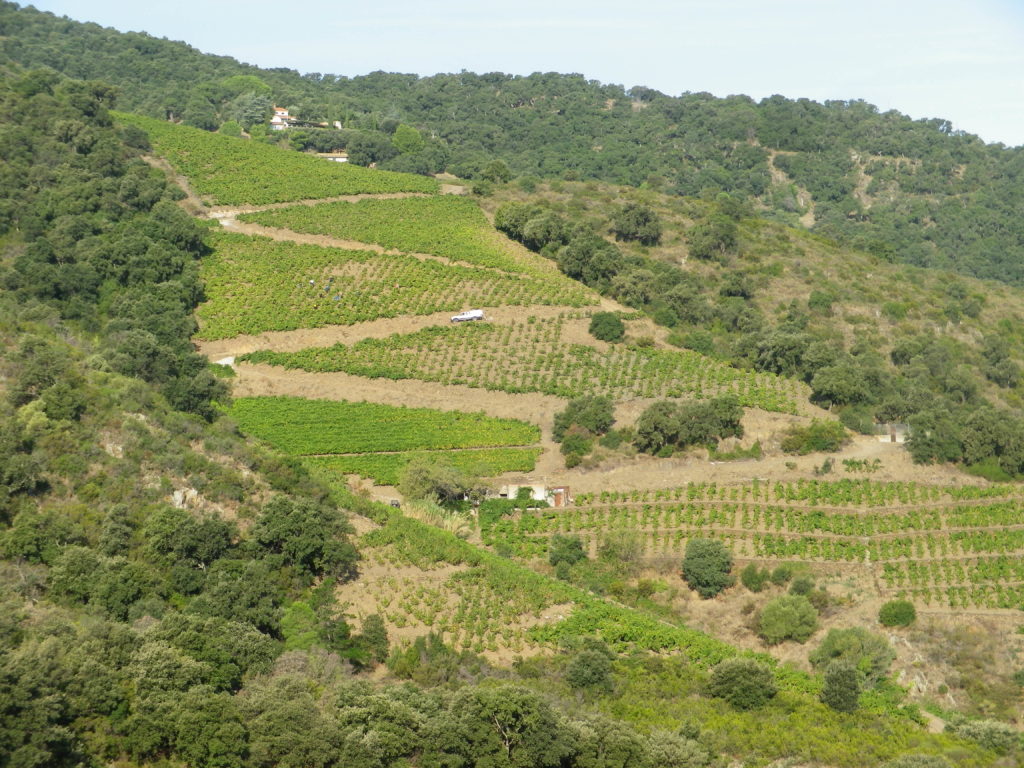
(915,192)
(210,381)
(876,342)
(432,363)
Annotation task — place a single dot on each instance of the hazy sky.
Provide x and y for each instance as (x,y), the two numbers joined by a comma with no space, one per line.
(962,60)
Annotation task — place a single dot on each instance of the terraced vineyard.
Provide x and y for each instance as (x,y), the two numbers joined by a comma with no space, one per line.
(234,171)
(449,226)
(386,468)
(254,284)
(957,547)
(378,441)
(491,603)
(531,356)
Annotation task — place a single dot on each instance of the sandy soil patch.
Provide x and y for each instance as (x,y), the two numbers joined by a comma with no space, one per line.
(642,471)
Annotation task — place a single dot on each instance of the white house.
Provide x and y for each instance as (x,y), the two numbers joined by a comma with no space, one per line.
(557,496)
(281,119)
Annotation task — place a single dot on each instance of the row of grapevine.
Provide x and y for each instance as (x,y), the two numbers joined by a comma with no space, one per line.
(766,518)
(299,426)
(234,171)
(800,547)
(254,284)
(386,468)
(533,356)
(812,492)
(449,226)
(500,594)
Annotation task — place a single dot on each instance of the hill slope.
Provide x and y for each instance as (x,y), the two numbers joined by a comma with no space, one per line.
(174,592)
(917,192)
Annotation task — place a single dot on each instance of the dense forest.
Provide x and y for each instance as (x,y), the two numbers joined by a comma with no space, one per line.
(911,191)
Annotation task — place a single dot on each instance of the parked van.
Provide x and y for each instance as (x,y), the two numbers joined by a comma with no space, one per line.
(471,314)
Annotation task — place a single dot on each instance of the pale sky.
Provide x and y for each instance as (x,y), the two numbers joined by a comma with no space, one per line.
(961,60)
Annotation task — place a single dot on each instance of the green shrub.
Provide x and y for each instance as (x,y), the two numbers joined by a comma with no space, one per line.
(637,222)
(706,566)
(744,683)
(820,302)
(589,669)
(919,761)
(565,549)
(622,548)
(819,435)
(871,654)
(841,690)
(754,578)
(990,734)
(595,413)
(802,585)
(897,613)
(607,326)
(374,638)
(699,341)
(790,617)
(576,440)
(782,574)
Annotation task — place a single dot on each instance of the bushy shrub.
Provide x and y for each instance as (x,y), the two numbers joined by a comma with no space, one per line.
(589,669)
(607,326)
(744,683)
(782,574)
(668,424)
(790,617)
(990,734)
(706,566)
(565,549)
(595,413)
(802,585)
(819,435)
(871,654)
(637,222)
(897,613)
(841,690)
(623,548)
(576,440)
(754,578)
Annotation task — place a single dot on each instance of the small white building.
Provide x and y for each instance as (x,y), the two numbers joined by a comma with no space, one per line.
(281,119)
(556,496)
(334,157)
(892,432)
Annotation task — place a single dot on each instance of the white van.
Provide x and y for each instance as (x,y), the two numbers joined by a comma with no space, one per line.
(471,314)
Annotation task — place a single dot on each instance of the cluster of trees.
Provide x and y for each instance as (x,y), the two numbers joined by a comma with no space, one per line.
(103,243)
(663,428)
(583,421)
(668,425)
